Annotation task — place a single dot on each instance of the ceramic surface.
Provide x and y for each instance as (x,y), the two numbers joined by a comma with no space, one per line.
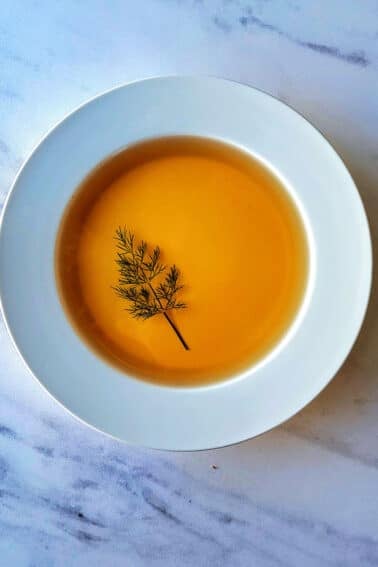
(147,414)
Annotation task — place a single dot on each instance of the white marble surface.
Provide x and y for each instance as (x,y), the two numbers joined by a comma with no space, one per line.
(302,495)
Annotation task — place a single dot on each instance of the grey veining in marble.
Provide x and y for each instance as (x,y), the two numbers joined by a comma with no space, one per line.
(302,495)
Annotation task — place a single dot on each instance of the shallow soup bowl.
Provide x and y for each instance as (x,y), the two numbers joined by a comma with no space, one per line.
(249,402)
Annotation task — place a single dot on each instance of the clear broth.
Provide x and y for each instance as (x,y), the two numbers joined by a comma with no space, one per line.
(224,219)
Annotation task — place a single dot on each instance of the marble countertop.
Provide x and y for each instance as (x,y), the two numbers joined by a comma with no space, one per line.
(302,495)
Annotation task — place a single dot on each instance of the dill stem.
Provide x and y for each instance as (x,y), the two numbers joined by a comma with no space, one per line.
(183,342)
(169,320)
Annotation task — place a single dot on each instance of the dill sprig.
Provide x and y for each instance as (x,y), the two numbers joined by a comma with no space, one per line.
(150,287)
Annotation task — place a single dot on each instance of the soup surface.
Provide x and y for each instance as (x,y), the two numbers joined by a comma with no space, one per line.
(224,220)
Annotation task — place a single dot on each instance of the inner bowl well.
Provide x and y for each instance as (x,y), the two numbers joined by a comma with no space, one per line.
(230,225)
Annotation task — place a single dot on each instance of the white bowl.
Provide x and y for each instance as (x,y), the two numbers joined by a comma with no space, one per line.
(199,417)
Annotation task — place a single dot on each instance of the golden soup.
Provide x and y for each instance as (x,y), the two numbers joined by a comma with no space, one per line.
(229,225)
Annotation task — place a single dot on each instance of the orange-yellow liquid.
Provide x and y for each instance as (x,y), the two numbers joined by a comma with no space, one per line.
(229,225)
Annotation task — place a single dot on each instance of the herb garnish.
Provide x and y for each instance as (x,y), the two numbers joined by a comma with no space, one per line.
(138,268)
